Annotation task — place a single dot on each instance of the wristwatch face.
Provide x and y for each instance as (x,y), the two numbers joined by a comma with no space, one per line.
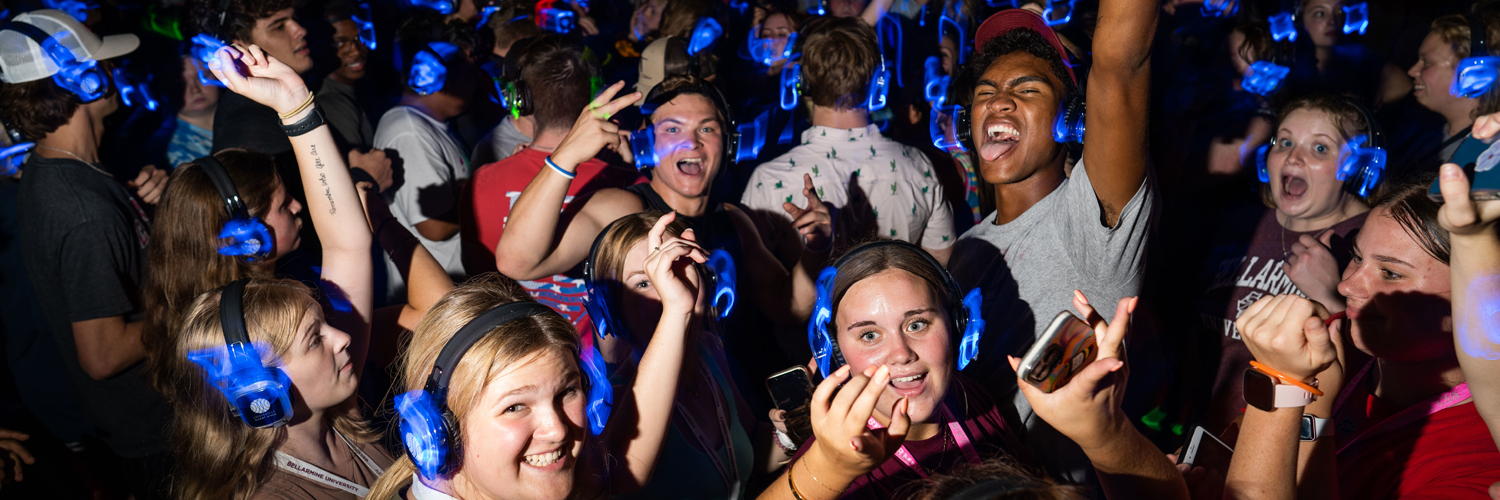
(1308,432)
(1260,390)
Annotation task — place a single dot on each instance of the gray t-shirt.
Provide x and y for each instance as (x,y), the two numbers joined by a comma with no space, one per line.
(499,144)
(433,170)
(1028,269)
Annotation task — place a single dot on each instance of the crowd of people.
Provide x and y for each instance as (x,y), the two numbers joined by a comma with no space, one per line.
(774,249)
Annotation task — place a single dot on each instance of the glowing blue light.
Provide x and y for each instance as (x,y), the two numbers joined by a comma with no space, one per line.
(1265,77)
(1476,75)
(643,147)
(601,394)
(1066,127)
(722,265)
(949,25)
(705,33)
(817,329)
(1284,27)
(245,237)
(1261,172)
(203,49)
(752,138)
(442,6)
(1356,18)
(366,32)
(557,20)
(427,71)
(73,8)
(1356,156)
(1220,8)
(945,139)
(791,83)
(968,348)
(12,157)
(935,86)
(132,92)
(888,30)
(1051,14)
(423,432)
(494,70)
(246,374)
(880,84)
(485,13)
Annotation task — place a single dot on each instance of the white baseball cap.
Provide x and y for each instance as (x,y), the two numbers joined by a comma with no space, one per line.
(23,60)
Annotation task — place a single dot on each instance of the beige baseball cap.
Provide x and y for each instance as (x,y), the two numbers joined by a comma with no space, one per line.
(653,68)
(23,60)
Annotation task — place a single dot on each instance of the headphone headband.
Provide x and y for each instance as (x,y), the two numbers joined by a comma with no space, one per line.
(459,344)
(1377,137)
(954,291)
(61,57)
(224,185)
(232,312)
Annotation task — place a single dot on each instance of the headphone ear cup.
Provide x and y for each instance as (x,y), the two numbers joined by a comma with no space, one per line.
(972,325)
(601,394)
(1261,172)
(523,98)
(246,238)
(964,134)
(426,432)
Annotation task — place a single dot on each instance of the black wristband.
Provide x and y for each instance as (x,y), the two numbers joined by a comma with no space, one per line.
(360,175)
(306,124)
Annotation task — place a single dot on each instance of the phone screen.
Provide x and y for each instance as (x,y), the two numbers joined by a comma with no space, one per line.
(1207,451)
(1066,347)
(790,388)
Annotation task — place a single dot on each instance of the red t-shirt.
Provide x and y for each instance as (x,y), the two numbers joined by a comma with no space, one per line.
(939,454)
(1448,455)
(495,187)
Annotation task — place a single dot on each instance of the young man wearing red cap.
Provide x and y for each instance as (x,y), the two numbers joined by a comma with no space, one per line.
(86,234)
(1054,231)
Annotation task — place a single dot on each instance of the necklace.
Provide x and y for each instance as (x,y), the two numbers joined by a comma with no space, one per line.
(76,157)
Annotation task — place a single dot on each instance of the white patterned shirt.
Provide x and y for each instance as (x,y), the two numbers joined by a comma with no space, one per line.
(893,188)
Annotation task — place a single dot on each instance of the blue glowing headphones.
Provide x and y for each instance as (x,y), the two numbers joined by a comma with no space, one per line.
(1284,23)
(1264,77)
(759,49)
(259,394)
(429,71)
(243,236)
(84,79)
(719,274)
(1477,73)
(366,24)
(705,33)
(643,142)
(875,95)
(967,312)
(429,430)
(444,7)
(13,156)
(130,87)
(203,49)
(1361,160)
(1356,18)
(1057,12)
(1220,8)
(1067,127)
(1069,124)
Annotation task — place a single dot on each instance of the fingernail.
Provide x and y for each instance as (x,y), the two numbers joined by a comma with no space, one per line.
(870,371)
(901,406)
(883,372)
(854,444)
(842,371)
(1450,171)
(1133,302)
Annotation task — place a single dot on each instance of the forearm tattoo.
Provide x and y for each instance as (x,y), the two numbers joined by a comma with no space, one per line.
(323,178)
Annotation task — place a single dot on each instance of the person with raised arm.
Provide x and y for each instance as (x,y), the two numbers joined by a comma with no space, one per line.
(317,445)
(1054,230)
(505,372)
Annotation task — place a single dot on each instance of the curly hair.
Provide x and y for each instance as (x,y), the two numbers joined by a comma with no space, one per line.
(230,20)
(1016,40)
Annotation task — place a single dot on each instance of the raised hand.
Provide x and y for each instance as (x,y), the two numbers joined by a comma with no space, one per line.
(251,72)
(840,417)
(149,184)
(1289,334)
(1087,409)
(669,266)
(593,131)
(1313,269)
(814,223)
(375,163)
(1459,215)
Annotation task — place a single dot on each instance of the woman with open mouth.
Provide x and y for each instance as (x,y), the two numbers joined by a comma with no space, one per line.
(1298,243)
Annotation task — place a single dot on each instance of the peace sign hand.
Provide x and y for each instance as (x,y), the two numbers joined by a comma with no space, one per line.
(814,223)
(251,72)
(593,131)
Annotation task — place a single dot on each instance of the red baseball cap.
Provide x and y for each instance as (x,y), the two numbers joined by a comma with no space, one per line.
(1006,20)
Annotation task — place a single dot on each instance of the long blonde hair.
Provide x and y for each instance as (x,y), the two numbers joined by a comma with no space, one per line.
(217,455)
(506,344)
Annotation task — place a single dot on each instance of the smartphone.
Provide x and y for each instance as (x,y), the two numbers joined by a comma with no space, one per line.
(1207,451)
(1067,346)
(790,388)
(1479,167)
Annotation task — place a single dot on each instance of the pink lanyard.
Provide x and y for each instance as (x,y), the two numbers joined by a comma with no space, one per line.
(1426,408)
(729,472)
(959,436)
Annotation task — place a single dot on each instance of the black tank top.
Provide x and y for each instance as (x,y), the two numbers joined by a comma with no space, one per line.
(715,229)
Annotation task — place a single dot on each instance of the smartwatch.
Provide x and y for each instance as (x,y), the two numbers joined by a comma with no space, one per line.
(1314,428)
(1267,393)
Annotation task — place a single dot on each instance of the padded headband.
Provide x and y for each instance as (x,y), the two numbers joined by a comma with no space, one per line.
(456,347)
(1377,138)
(956,293)
(232,312)
(225,185)
(659,96)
